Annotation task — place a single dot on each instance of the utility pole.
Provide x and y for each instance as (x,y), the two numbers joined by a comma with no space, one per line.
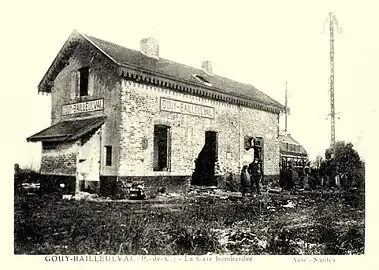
(286,111)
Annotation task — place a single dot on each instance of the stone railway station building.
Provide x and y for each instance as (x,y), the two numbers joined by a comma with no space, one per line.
(123,115)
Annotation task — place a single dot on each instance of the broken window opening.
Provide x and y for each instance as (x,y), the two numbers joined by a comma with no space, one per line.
(161,148)
(204,173)
(83,81)
(202,79)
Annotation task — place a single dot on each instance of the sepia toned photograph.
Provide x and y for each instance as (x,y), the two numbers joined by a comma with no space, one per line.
(193,128)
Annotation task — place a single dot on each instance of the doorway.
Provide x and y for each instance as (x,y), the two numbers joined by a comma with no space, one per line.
(161,161)
(204,174)
(88,163)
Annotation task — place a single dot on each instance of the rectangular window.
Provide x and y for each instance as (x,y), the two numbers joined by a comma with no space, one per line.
(108,155)
(83,83)
(161,160)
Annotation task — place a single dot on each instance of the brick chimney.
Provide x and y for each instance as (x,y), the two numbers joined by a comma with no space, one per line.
(207,67)
(150,47)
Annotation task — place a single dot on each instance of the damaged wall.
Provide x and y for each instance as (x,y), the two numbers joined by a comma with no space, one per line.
(140,111)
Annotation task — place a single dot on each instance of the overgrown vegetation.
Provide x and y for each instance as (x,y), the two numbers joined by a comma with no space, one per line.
(345,162)
(320,223)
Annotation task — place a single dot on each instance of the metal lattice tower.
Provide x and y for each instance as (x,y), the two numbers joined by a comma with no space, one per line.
(332,108)
(332,23)
(286,111)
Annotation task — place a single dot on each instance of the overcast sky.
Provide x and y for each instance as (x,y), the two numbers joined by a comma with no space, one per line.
(263,43)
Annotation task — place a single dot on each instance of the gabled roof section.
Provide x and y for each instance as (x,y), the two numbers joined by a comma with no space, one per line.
(284,139)
(288,139)
(129,61)
(60,61)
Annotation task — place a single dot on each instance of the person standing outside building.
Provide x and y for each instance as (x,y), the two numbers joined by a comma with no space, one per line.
(255,170)
(289,177)
(245,180)
(306,177)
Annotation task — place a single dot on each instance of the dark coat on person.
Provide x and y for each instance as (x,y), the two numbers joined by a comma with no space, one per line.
(255,170)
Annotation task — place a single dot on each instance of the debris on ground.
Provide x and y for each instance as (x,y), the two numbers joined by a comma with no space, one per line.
(67,196)
(290,204)
(274,190)
(85,196)
(137,191)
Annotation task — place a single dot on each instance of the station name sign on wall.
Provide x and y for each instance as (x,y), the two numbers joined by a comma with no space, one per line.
(177,106)
(82,107)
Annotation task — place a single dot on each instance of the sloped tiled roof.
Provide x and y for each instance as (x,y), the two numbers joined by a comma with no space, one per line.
(68,130)
(129,57)
(136,65)
(284,139)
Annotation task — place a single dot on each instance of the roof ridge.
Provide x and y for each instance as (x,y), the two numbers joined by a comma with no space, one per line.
(198,70)
(98,47)
(131,59)
(138,51)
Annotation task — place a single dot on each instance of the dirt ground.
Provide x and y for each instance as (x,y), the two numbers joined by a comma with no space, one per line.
(200,222)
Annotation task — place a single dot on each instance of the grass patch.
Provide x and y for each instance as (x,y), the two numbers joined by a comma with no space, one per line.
(319,224)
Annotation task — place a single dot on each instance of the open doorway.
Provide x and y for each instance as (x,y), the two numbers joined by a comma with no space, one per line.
(161,160)
(204,174)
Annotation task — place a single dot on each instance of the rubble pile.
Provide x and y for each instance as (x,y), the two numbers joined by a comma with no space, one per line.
(211,192)
(131,190)
(84,196)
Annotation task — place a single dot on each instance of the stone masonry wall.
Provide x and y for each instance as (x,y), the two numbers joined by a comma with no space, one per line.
(103,83)
(60,160)
(140,111)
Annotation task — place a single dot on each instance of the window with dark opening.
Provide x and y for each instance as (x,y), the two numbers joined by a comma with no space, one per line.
(161,148)
(108,155)
(202,79)
(83,84)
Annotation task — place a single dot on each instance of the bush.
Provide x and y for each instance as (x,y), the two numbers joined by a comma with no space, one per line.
(346,163)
